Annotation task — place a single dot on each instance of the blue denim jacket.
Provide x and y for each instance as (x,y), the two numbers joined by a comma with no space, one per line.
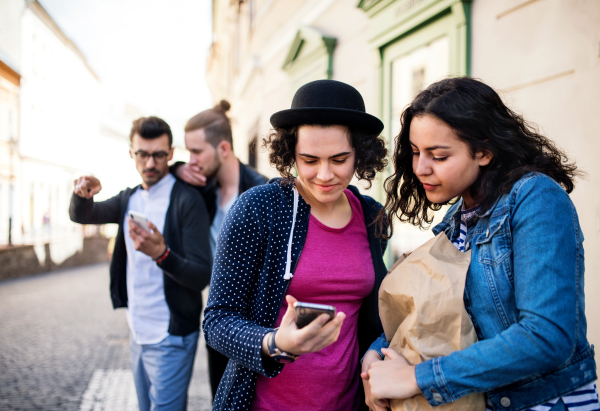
(525,295)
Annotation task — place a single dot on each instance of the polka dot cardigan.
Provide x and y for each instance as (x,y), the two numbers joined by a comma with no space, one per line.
(248,286)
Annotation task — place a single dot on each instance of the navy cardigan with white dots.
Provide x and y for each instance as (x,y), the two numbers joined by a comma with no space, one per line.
(248,287)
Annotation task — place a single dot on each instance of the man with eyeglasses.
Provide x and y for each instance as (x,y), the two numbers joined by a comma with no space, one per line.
(159,271)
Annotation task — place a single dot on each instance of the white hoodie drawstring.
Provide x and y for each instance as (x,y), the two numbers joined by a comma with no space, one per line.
(288,265)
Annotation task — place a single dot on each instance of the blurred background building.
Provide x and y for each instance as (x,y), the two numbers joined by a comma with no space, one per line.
(54,127)
(543,56)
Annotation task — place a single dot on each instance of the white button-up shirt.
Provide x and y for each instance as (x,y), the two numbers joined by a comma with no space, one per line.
(147,312)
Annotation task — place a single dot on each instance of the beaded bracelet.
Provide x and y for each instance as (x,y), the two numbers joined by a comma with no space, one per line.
(163,256)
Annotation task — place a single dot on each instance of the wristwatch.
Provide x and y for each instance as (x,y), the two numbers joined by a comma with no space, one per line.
(278,355)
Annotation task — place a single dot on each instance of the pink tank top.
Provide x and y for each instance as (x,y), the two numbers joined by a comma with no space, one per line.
(335,268)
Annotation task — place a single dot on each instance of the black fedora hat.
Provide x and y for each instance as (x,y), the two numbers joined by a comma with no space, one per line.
(327,102)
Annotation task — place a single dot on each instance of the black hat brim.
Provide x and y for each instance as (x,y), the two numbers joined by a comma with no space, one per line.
(321,115)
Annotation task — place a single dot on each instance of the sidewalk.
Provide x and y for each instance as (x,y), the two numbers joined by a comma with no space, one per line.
(63,347)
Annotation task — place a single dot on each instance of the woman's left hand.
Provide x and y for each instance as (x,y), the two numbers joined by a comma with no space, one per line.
(393,379)
(369,358)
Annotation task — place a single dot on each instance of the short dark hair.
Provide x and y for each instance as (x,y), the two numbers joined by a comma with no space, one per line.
(151,127)
(214,121)
(369,148)
(480,119)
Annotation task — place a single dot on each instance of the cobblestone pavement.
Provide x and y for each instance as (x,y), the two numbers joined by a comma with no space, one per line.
(63,347)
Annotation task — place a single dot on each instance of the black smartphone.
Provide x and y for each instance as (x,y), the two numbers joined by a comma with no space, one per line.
(307,312)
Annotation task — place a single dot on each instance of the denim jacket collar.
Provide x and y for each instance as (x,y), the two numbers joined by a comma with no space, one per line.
(489,221)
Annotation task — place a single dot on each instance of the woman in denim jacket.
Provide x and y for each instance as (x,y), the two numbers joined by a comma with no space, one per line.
(525,285)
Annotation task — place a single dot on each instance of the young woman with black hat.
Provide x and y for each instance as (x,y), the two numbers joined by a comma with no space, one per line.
(309,238)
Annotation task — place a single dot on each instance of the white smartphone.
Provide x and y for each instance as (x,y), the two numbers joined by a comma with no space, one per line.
(140,219)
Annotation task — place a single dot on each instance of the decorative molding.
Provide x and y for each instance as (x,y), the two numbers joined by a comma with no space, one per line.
(311,43)
(538,81)
(9,74)
(41,13)
(366,5)
(513,9)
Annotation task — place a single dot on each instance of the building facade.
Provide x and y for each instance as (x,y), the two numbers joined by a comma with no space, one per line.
(543,56)
(52,130)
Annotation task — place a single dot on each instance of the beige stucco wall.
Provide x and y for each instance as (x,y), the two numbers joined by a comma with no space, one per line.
(545,57)
(542,55)
(257,85)
(10,34)
(56,113)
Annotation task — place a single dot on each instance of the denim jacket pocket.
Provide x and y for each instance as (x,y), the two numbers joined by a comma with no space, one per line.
(496,243)
(494,248)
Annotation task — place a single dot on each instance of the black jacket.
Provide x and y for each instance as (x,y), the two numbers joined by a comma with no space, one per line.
(186,270)
(248,179)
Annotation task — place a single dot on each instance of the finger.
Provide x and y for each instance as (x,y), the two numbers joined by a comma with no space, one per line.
(152,227)
(334,325)
(391,354)
(289,316)
(197,179)
(80,189)
(200,180)
(136,238)
(86,182)
(328,333)
(364,376)
(135,228)
(316,327)
(193,179)
(93,191)
(196,173)
(290,300)
(193,171)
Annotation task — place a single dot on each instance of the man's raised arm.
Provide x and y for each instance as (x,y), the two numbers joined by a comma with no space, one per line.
(84,210)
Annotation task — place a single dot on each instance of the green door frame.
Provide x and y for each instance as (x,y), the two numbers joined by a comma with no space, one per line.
(398,27)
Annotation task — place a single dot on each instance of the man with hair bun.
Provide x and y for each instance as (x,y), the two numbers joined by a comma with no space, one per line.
(221,177)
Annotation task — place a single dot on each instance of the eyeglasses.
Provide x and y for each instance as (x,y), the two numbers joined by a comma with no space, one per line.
(158,156)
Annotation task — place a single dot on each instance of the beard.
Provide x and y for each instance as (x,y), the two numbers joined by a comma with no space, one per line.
(211,170)
(150,180)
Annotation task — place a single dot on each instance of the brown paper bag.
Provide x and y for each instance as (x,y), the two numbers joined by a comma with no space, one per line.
(423,314)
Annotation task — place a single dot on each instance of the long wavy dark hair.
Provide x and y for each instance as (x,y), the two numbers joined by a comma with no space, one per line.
(478,116)
(370,152)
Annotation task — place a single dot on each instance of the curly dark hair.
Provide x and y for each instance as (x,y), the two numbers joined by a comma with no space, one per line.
(479,118)
(369,148)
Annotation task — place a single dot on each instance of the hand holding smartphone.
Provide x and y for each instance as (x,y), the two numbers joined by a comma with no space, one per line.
(307,312)
(140,219)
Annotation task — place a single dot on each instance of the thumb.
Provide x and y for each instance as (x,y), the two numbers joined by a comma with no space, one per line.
(152,227)
(289,315)
(291,301)
(95,190)
(391,354)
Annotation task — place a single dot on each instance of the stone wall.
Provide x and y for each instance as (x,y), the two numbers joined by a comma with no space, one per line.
(22,260)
